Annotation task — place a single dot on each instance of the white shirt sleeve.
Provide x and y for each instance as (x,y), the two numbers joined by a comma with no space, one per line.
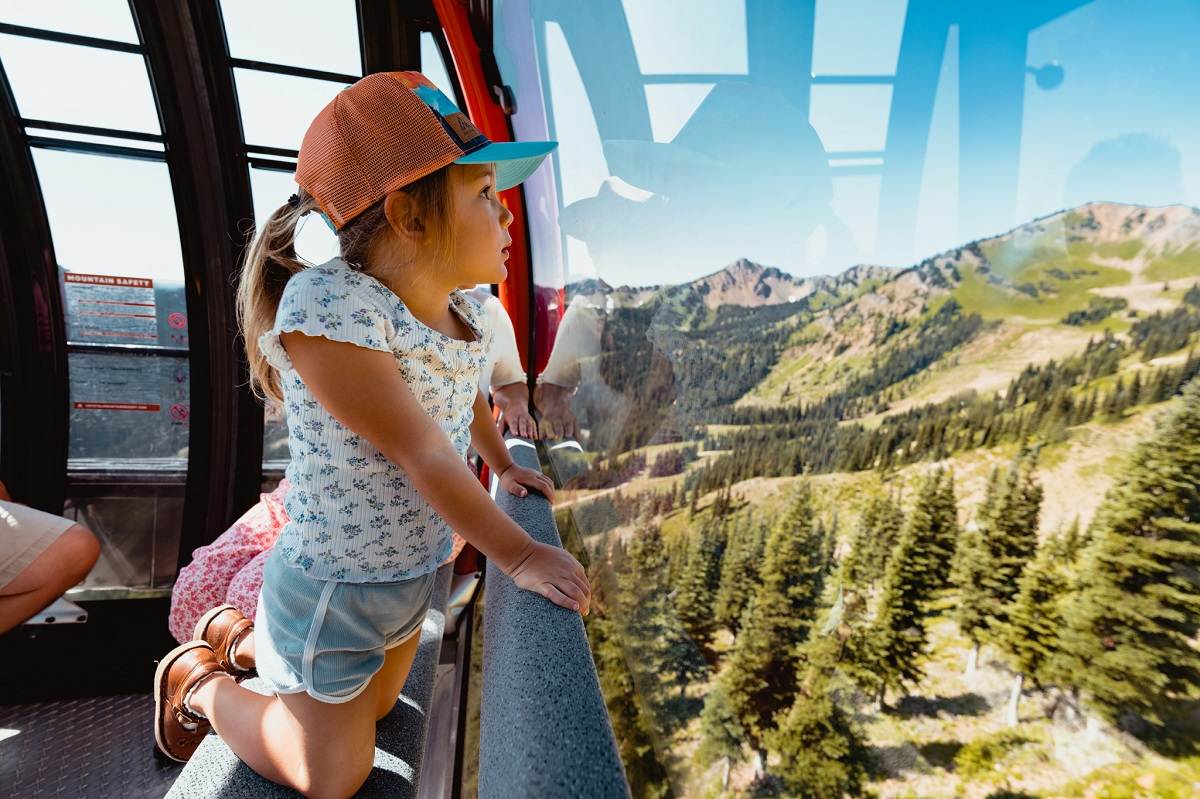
(503,365)
(578,338)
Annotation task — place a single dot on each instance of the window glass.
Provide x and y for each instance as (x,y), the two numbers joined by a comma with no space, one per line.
(315,243)
(851,118)
(682,36)
(129,407)
(277,109)
(105,89)
(829,272)
(434,67)
(671,105)
(843,45)
(100,19)
(111,216)
(116,238)
(316,34)
(139,536)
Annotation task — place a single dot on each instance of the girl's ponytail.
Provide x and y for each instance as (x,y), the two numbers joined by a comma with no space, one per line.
(270,260)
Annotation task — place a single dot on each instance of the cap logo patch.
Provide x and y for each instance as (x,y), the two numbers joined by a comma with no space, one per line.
(462,127)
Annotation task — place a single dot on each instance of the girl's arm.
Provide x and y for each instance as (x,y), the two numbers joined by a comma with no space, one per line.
(363,390)
(488,442)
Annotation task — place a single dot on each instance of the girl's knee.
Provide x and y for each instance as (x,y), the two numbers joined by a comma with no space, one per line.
(384,706)
(340,783)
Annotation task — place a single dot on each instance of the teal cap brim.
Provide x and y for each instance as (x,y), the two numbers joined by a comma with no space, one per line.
(515,160)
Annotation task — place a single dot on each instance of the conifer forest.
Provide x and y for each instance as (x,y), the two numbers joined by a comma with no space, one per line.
(923,532)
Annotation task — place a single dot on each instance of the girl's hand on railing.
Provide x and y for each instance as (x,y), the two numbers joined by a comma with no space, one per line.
(517,479)
(555,574)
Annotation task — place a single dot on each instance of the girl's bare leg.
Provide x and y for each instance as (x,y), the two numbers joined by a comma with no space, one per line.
(389,681)
(320,749)
(243,650)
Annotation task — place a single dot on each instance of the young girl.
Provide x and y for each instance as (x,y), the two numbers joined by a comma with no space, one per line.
(229,570)
(376,358)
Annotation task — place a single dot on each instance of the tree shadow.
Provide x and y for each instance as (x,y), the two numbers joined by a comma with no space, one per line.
(932,707)
(898,760)
(1177,737)
(674,711)
(941,753)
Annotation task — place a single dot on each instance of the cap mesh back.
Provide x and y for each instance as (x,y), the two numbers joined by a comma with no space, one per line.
(375,137)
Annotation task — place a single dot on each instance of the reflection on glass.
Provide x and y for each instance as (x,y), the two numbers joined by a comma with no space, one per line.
(843,45)
(111,216)
(869,422)
(851,118)
(100,19)
(106,89)
(277,109)
(316,34)
(681,36)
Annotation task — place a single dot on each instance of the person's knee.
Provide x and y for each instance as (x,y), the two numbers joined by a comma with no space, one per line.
(384,706)
(340,783)
(80,551)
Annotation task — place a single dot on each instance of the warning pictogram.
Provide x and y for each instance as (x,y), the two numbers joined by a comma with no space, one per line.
(177,320)
(179,412)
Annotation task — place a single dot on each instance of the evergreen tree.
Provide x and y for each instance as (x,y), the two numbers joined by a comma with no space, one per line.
(822,753)
(831,542)
(721,734)
(647,776)
(895,643)
(698,584)
(1030,636)
(874,540)
(1127,634)
(761,674)
(1073,541)
(1011,534)
(739,571)
(646,551)
(972,560)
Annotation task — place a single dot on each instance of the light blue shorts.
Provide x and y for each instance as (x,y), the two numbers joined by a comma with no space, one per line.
(328,638)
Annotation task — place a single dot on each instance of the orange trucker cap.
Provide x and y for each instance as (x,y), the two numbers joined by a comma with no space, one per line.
(389,129)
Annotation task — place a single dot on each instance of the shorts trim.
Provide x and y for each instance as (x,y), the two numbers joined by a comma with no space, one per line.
(310,654)
(419,628)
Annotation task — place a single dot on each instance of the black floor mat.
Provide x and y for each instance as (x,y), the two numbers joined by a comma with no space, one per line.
(86,748)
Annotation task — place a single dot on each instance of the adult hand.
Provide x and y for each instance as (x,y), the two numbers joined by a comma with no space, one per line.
(553,402)
(513,402)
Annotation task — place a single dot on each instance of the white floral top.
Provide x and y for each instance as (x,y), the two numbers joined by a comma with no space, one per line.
(354,515)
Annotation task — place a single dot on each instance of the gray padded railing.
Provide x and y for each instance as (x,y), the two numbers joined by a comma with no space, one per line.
(544,729)
(215,772)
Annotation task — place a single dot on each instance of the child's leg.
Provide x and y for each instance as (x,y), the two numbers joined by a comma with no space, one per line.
(390,679)
(318,748)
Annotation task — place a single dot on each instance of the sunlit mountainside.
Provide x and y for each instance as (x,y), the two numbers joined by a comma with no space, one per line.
(937,462)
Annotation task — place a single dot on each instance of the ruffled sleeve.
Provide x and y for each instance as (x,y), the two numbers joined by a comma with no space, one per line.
(333,302)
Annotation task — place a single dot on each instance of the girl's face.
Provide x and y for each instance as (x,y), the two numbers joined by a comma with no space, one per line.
(480,227)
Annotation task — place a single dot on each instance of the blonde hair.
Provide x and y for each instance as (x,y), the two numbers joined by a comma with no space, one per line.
(271,260)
